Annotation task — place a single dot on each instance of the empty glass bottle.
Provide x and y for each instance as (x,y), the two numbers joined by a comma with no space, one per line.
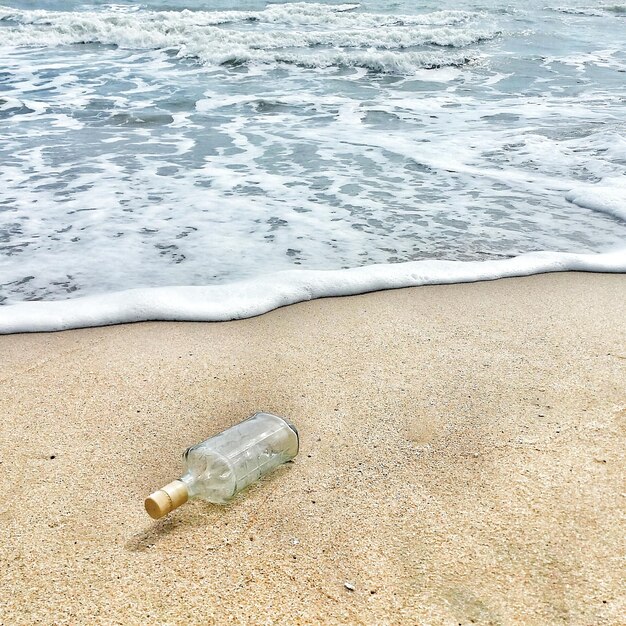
(221,466)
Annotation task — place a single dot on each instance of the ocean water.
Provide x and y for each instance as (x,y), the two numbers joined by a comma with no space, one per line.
(225,145)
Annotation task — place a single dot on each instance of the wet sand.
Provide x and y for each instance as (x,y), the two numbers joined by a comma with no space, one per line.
(461,462)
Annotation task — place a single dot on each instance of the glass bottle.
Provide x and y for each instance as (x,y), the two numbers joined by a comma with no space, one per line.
(220,467)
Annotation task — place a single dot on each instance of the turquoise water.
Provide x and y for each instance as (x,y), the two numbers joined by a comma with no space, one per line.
(169,143)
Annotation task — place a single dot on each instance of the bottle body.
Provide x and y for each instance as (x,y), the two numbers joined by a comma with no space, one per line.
(220,467)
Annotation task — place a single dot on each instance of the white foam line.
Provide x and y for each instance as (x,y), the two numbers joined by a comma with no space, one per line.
(256,296)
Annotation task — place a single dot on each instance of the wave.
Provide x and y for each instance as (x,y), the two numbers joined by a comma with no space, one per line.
(328,35)
(257,296)
(291,14)
(618,10)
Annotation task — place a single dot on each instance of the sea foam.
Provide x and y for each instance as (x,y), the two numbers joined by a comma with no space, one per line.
(253,297)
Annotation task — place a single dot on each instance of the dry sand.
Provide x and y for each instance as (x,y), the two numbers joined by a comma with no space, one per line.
(461,462)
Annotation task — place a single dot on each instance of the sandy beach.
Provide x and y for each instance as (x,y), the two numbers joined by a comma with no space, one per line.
(461,462)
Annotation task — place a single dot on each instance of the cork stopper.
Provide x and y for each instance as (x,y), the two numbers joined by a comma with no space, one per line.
(166,499)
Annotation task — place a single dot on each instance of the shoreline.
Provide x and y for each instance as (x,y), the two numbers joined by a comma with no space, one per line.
(461,461)
(256,296)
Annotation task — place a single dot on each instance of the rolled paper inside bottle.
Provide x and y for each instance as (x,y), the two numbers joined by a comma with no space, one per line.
(166,499)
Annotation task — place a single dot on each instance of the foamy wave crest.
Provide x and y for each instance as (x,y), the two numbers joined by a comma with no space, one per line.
(256,296)
(608,197)
(597,11)
(328,35)
(377,60)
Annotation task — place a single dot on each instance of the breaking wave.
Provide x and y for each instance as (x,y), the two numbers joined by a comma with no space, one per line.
(310,35)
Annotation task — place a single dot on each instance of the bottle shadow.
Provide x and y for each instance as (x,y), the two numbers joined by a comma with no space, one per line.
(146,539)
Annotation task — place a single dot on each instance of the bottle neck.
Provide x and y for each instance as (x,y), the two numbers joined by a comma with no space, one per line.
(190,482)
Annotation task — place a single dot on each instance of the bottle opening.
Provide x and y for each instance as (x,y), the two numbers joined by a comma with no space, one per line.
(166,499)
